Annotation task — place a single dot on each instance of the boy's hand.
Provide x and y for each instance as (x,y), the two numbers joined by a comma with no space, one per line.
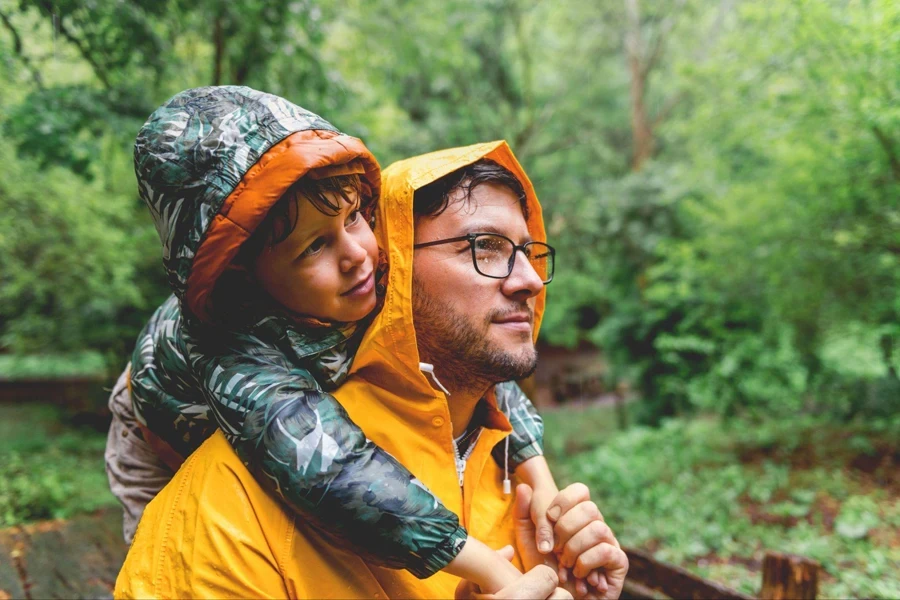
(539,582)
(584,542)
(541,498)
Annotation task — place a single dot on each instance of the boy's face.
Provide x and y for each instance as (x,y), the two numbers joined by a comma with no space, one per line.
(326,267)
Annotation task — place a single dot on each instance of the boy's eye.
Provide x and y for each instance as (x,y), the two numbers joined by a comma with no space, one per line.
(313,248)
(353,218)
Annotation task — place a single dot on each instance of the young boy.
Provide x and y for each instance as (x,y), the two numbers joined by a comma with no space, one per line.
(263,210)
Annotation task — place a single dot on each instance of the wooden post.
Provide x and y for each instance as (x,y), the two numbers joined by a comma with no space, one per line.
(789,577)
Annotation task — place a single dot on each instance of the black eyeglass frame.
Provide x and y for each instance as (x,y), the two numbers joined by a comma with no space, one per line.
(471,237)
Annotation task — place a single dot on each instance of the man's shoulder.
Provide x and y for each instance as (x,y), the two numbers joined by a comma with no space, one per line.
(215,488)
(211,514)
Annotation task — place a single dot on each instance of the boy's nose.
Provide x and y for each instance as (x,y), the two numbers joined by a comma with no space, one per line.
(354,254)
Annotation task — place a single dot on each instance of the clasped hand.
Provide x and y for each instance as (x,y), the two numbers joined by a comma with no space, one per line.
(581,543)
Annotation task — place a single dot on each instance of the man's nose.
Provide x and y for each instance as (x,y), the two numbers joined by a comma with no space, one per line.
(524,281)
(353,254)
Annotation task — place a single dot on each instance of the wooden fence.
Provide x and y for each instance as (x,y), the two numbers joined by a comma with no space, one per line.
(81,558)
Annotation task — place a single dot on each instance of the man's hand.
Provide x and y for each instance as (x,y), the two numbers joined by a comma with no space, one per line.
(539,582)
(585,543)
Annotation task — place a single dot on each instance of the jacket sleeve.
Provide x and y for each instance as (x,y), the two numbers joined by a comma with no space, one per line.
(527,437)
(301,445)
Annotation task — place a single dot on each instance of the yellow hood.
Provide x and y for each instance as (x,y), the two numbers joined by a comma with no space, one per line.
(389,347)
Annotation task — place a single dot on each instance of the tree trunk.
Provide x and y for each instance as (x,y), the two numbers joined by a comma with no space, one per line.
(641,129)
(219,45)
(789,577)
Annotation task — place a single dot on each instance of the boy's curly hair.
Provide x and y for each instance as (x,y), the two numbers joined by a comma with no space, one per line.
(237,297)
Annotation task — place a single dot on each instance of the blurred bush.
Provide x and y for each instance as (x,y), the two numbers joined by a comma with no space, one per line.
(721,179)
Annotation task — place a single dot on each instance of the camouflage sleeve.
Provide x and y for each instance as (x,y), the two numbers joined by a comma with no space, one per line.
(163,392)
(301,445)
(527,437)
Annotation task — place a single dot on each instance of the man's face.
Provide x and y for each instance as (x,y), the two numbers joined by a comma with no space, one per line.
(466,324)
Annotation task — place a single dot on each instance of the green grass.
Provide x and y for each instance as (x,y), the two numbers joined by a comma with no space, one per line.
(48,468)
(25,366)
(713,496)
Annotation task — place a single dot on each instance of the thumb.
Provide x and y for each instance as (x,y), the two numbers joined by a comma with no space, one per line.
(525,531)
(507,552)
(543,528)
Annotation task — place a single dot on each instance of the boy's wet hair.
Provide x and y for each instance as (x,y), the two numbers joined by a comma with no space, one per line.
(433,199)
(236,297)
(281,221)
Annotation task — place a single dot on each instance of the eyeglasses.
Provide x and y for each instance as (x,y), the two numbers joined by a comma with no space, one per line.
(494,255)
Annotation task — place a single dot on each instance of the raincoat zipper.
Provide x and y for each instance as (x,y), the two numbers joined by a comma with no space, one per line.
(461,461)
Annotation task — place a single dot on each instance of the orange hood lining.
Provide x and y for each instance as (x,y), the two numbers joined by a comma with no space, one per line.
(259,190)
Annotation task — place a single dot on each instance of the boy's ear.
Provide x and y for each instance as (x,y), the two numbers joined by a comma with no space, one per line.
(236,267)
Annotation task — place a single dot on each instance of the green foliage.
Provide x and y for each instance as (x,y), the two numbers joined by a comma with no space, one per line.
(49,469)
(713,496)
(79,260)
(749,264)
(18,366)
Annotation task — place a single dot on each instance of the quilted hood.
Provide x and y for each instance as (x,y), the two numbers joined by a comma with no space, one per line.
(212,161)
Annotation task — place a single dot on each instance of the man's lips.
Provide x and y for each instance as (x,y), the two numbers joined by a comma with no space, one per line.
(520,321)
(514,318)
(363,286)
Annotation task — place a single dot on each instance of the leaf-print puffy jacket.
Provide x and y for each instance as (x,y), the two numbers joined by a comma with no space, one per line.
(210,163)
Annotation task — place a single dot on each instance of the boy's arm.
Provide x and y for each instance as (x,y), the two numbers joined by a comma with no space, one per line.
(525,456)
(527,438)
(301,445)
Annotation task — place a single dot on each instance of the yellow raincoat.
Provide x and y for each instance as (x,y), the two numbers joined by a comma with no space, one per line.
(214,532)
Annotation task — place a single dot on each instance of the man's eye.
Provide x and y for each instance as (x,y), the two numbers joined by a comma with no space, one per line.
(313,248)
(488,245)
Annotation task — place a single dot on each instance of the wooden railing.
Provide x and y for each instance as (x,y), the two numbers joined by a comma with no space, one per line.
(784,576)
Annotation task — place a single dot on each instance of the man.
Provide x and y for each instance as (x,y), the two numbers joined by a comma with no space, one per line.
(459,317)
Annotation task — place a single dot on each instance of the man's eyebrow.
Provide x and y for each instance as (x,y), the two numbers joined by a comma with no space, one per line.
(487,227)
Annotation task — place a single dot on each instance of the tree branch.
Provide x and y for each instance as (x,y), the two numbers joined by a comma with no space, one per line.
(887,144)
(664,29)
(85,53)
(20,52)
(666,109)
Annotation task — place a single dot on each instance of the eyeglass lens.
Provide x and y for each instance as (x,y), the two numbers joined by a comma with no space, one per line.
(494,257)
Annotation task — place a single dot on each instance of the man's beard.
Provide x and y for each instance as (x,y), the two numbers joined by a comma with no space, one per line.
(460,349)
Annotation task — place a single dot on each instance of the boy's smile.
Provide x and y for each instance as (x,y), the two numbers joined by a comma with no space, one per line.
(325,268)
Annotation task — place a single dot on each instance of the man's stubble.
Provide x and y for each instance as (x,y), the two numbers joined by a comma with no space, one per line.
(460,348)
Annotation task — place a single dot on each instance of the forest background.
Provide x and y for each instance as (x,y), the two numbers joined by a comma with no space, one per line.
(721,179)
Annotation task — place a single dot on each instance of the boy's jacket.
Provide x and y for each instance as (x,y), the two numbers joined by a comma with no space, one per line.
(214,532)
(210,164)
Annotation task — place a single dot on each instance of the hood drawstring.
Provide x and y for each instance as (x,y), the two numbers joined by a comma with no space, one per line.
(427,368)
(507,486)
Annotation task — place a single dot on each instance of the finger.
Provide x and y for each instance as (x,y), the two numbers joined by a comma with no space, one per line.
(566,499)
(605,556)
(602,585)
(563,574)
(542,526)
(466,590)
(560,594)
(507,552)
(573,521)
(595,532)
(593,578)
(524,527)
(539,582)
(581,588)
